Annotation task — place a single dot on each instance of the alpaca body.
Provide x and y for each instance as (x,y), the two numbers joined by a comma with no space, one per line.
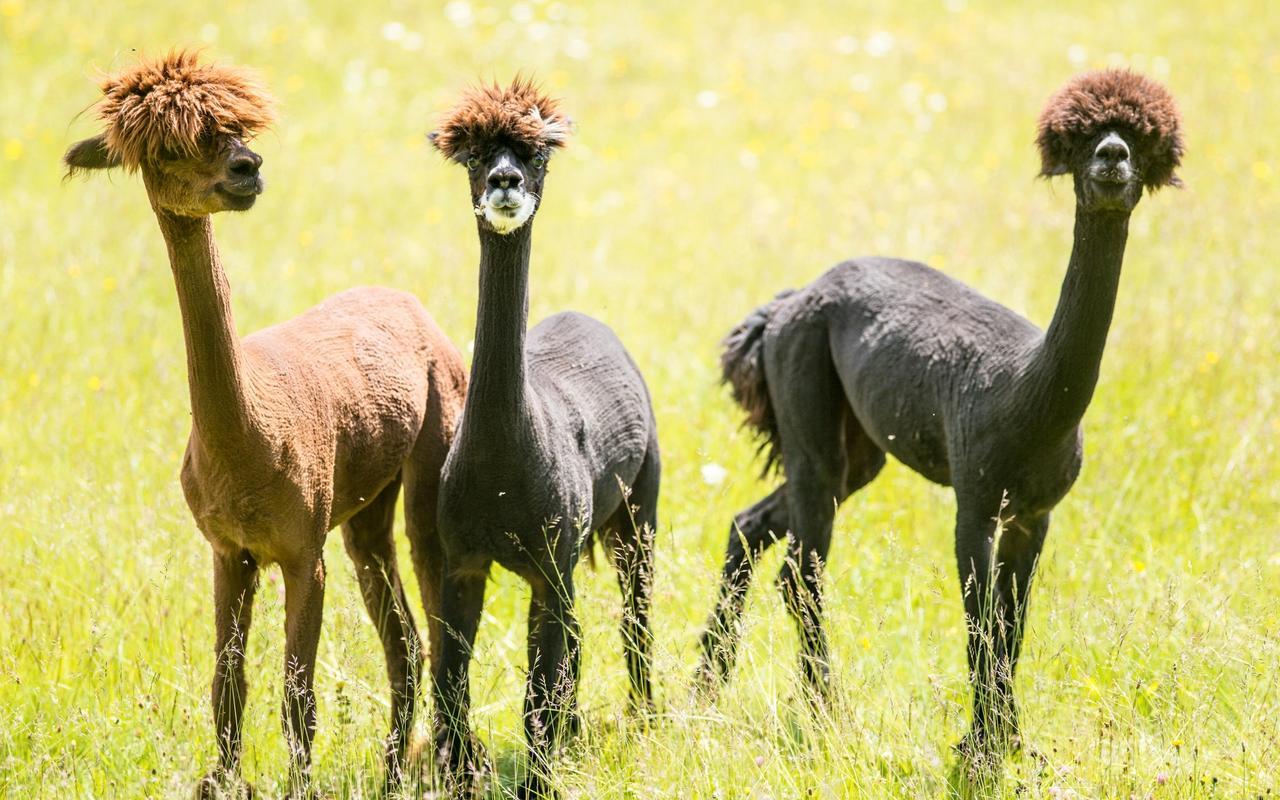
(957,413)
(338,399)
(301,427)
(890,356)
(555,425)
(580,380)
(884,356)
(304,426)
(557,442)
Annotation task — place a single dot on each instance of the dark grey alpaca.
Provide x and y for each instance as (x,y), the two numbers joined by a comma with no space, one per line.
(881,355)
(557,441)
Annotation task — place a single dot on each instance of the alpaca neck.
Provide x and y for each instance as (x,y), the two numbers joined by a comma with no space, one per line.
(215,364)
(496,392)
(1065,367)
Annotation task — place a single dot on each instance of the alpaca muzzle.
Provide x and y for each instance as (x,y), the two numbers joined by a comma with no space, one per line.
(506,209)
(1112,183)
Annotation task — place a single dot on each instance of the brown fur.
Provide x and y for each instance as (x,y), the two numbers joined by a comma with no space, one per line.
(309,424)
(173,104)
(519,115)
(1093,101)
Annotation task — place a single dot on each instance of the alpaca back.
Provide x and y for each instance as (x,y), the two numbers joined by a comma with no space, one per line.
(595,398)
(354,378)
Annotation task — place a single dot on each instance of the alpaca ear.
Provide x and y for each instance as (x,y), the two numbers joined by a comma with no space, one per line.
(89,154)
(447,149)
(1055,152)
(437,139)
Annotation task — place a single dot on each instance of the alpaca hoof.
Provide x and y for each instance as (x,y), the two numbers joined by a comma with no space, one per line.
(996,739)
(644,712)
(223,785)
(466,772)
(983,752)
(702,694)
(706,685)
(977,773)
(971,746)
(1018,747)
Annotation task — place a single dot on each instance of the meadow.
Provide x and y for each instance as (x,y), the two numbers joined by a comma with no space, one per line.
(719,157)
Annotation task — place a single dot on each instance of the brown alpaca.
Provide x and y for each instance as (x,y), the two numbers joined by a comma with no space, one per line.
(298,428)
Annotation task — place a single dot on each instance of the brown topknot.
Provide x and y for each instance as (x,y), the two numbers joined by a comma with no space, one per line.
(520,115)
(170,104)
(1093,101)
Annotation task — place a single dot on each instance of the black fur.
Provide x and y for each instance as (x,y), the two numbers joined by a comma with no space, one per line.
(742,368)
(557,441)
(881,356)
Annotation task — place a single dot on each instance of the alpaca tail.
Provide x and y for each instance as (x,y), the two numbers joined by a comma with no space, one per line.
(742,367)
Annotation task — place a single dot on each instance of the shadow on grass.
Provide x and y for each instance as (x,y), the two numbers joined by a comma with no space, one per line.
(508,766)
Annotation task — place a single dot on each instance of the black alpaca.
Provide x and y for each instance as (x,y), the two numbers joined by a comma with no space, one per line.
(557,441)
(883,356)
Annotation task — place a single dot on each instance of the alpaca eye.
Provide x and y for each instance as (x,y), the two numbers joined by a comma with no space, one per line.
(538,162)
(473,163)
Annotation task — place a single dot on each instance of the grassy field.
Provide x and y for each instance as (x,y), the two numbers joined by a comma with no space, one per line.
(719,157)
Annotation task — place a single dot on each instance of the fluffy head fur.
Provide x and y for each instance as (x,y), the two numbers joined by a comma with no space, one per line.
(519,115)
(1093,101)
(171,104)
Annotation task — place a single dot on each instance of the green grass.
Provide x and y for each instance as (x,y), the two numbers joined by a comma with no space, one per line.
(900,128)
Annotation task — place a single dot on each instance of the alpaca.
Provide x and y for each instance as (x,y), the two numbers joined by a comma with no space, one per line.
(557,440)
(884,356)
(306,425)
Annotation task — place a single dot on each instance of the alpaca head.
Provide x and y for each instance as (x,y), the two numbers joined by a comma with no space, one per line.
(1116,132)
(184,125)
(504,137)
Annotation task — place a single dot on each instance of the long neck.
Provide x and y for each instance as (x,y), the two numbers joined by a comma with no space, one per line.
(215,365)
(496,392)
(1064,369)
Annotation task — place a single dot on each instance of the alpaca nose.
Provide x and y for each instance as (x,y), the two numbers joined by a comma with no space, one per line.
(505,179)
(244,164)
(1112,149)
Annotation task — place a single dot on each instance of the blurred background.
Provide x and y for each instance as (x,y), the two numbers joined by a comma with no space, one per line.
(720,155)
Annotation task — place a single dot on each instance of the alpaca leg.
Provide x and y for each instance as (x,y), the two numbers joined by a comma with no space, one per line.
(1016,557)
(421,497)
(462,601)
(235,578)
(975,531)
(369,542)
(813,505)
(752,532)
(550,701)
(304,611)
(633,558)
(813,425)
(822,478)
